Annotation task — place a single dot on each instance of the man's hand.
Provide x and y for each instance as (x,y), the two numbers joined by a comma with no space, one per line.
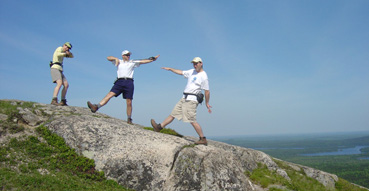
(207,97)
(156,57)
(148,60)
(68,54)
(209,107)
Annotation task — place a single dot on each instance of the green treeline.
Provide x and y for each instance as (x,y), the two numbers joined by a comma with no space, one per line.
(291,148)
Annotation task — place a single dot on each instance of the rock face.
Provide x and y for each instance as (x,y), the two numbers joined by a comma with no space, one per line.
(145,160)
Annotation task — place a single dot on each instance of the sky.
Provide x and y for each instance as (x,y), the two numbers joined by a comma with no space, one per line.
(274,67)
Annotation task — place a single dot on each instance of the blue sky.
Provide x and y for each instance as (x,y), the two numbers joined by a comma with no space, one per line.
(275,67)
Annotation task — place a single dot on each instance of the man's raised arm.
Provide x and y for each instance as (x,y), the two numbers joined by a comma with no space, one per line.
(112,58)
(176,71)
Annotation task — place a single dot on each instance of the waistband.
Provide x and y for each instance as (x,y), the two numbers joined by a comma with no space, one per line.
(185,95)
(57,63)
(124,78)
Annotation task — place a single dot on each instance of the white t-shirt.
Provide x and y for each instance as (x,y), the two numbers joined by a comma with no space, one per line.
(126,69)
(195,83)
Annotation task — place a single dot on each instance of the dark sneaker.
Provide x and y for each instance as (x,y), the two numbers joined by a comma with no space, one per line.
(93,107)
(54,101)
(157,127)
(129,121)
(63,102)
(202,141)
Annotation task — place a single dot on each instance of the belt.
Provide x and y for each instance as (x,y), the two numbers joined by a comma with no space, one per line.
(57,63)
(125,79)
(187,94)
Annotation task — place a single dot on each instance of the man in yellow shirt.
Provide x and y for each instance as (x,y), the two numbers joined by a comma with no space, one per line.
(57,76)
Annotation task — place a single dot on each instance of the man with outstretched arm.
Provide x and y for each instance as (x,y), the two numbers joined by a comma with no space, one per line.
(124,83)
(186,107)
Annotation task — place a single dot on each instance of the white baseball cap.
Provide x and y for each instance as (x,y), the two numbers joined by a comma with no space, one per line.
(196,59)
(126,52)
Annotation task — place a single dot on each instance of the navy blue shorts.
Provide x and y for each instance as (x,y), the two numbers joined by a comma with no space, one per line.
(123,86)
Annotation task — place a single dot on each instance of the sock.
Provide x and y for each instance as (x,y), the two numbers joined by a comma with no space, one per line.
(98,106)
(128,117)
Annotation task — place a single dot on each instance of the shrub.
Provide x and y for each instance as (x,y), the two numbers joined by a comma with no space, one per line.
(299,181)
(166,131)
(343,185)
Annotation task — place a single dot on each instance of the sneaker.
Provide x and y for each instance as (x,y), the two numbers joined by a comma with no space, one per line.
(93,107)
(129,121)
(202,141)
(54,101)
(157,127)
(63,102)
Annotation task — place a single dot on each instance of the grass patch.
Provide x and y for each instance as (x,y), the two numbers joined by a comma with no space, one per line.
(166,131)
(344,185)
(104,117)
(189,146)
(57,181)
(265,178)
(347,167)
(9,108)
(11,125)
(12,128)
(47,163)
(271,179)
(299,180)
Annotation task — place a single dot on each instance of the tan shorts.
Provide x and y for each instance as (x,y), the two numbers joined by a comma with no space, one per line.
(185,110)
(57,75)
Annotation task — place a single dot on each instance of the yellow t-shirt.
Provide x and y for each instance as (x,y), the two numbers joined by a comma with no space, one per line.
(58,56)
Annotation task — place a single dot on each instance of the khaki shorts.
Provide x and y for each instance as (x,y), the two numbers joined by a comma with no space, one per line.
(57,75)
(185,110)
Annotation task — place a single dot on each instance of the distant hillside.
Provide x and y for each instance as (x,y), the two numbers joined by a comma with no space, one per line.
(327,141)
(358,141)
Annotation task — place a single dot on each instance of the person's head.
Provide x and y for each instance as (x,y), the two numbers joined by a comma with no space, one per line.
(197,64)
(67,46)
(126,55)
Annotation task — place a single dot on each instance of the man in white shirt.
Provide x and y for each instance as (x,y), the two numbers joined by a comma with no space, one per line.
(185,109)
(124,83)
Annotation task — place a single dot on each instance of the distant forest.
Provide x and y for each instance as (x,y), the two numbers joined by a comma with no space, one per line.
(290,148)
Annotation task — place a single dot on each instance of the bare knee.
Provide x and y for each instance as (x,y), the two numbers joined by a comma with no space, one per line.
(59,83)
(66,84)
(129,102)
(107,98)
